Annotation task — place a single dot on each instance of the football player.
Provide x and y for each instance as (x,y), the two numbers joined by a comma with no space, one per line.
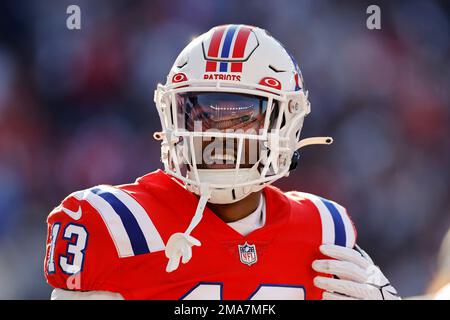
(211,226)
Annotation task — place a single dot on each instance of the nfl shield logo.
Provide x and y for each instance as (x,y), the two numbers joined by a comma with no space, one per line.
(247,254)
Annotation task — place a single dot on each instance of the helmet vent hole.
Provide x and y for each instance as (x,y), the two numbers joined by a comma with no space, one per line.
(182,65)
(275,69)
(171,116)
(283,120)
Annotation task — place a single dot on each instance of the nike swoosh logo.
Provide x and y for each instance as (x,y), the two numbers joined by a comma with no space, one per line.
(76,215)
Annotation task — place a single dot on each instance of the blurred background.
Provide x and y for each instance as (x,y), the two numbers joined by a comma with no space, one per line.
(76,110)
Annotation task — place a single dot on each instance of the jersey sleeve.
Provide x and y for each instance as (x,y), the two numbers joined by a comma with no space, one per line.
(61,294)
(81,253)
(337,226)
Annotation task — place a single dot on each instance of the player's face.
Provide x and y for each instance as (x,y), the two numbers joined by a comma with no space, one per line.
(227,113)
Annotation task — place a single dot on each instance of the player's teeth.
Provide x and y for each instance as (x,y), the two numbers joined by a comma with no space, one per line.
(225,157)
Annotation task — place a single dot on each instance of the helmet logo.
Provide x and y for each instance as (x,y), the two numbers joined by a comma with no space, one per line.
(271,82)
(227,48)
(222,76)
(179,77)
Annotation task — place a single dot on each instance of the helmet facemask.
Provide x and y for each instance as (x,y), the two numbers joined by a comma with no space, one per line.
(236,140)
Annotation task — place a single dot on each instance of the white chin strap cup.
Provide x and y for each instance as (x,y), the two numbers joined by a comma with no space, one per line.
(179,246)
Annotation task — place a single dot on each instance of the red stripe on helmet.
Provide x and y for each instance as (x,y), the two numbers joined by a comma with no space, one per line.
(236,67)
(211,66)
(214,45)
(239,48)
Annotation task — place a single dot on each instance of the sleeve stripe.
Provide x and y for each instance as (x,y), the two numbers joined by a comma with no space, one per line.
(325,216)
(112,221)
(135,235)
(339,227)
(349,230)
(129,225)
(151,234)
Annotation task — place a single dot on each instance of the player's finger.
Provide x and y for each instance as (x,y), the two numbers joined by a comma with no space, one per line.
(344,253)
(348,288)
(343,269)
(335,296)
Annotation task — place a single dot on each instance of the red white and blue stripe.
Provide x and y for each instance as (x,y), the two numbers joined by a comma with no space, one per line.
(227,43)
(337,227)
(129,225)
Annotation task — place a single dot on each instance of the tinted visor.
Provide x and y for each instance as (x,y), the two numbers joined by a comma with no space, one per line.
(202,111)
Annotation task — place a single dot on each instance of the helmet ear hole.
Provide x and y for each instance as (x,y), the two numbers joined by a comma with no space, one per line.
(294,106)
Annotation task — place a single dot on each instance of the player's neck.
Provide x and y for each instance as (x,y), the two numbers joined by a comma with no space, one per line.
(235,211)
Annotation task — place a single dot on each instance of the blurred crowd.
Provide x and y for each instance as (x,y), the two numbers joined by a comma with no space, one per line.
(76,110)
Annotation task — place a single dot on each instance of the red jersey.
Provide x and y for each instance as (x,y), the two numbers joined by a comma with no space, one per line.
(112,239)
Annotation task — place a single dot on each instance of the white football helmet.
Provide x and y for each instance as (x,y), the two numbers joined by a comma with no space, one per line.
(235,86)
(245,64)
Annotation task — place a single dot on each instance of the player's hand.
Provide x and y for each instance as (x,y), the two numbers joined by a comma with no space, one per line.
(356,277)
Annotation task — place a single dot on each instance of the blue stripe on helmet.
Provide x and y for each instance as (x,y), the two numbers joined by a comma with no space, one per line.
(227,42)
(227,46)
(223,67)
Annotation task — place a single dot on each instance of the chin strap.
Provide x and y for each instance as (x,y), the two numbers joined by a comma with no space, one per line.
(180,244)
(316,140)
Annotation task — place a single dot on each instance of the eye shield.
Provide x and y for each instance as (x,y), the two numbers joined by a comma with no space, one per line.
(223,111)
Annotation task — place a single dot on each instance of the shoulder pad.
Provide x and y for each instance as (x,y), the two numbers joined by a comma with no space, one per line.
(337,227)
(129,225)
(91,230)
